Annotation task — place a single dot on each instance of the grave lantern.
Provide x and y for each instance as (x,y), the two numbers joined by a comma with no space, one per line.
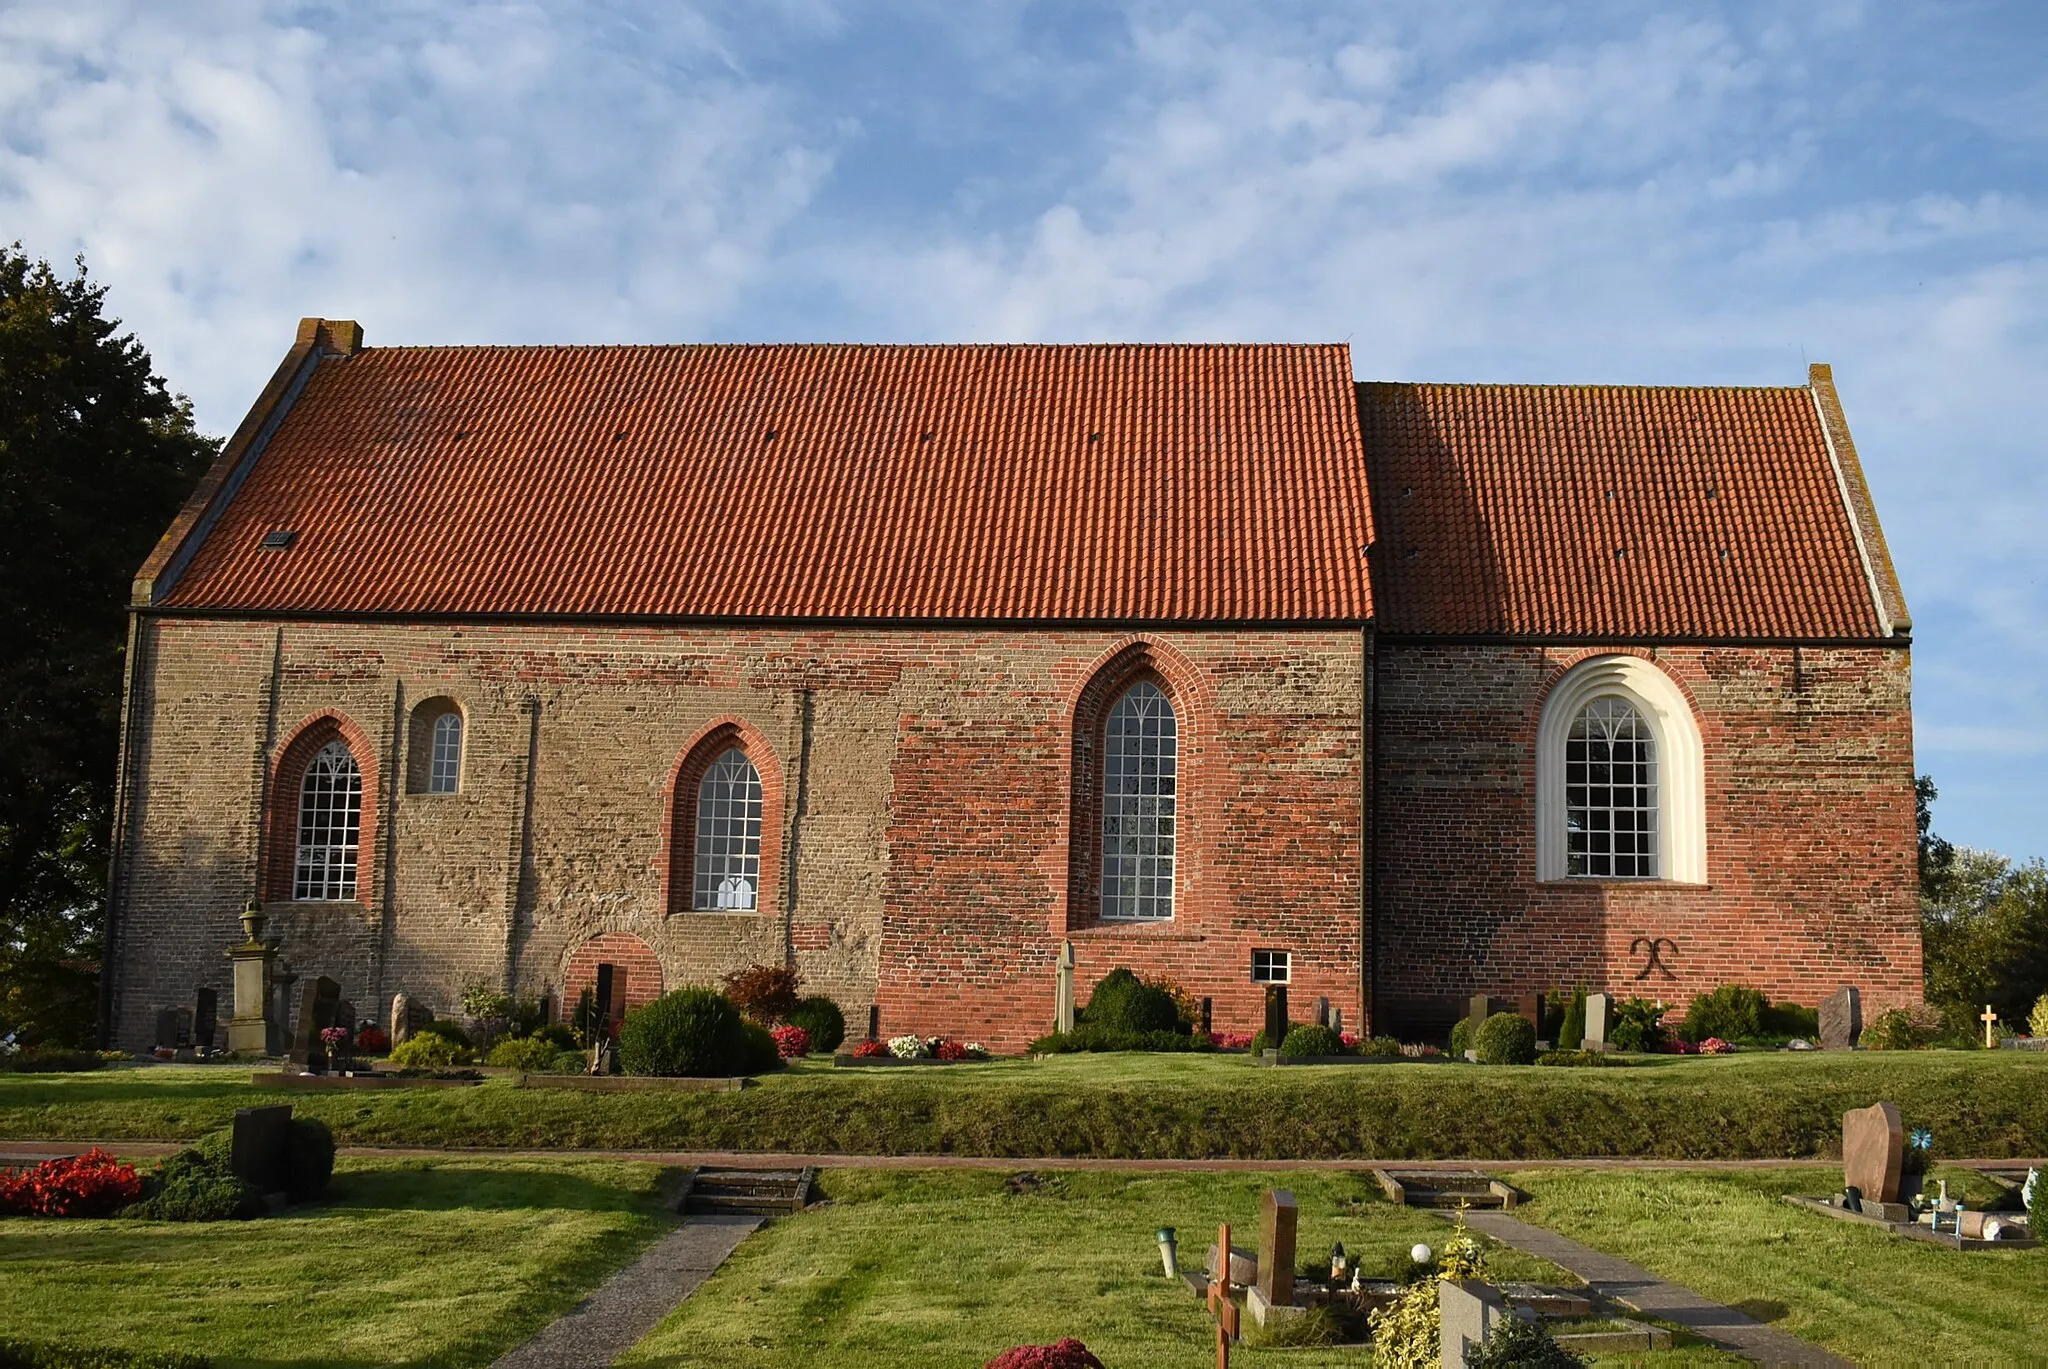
(1169,1255)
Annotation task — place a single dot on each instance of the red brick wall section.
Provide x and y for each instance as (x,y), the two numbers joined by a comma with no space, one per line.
(281,823)
(1809,825)
(643,969)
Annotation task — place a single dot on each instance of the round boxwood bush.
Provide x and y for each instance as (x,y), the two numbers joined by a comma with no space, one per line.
(1461,1037)
(689,1032)
(446,1029)
(533,1054)
(1124,1003)
(821,1017)
(429,1051)
(1308,1039)
(1506,1039)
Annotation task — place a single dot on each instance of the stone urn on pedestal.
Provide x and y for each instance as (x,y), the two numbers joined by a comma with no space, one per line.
(249,1030)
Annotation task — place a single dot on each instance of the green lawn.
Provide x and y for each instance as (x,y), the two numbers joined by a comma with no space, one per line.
(1861,1293)
(1778,1105)
(449,1262)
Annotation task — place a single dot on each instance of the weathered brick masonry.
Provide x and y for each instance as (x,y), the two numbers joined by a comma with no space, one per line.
(920,824)
(1809,821)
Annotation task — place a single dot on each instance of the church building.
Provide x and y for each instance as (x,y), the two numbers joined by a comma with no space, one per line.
(910,665)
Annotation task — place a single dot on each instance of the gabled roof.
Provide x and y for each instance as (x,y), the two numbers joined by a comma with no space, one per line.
(1623,513)
(1164,483)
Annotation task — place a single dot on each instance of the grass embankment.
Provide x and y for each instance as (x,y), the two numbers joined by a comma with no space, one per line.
(448,1262)
(1865,1295)
(1764,1106)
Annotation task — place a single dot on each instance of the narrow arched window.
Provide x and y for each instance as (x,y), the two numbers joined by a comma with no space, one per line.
(1610,792)
(728,864)
(330,826)
(1140,752)
(444,772)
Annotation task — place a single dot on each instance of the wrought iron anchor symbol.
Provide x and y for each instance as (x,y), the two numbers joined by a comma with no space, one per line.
(1655,946)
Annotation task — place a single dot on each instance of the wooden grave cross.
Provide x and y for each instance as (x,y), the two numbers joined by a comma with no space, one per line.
(1225,1311)
(1990,1021)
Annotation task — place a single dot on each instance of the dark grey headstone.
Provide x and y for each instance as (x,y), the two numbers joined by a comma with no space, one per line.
(316,1014)
(1276,1015)
(258,1152)
(345,1016)
(206,1019)
(1841,1019)
(167,1030)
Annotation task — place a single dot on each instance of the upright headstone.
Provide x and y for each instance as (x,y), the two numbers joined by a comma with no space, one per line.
(205,1018)
(257,1152)
(345,1016)
(1337,1020)
(1841,1019)
(1208,1015)
(1477,1009)
(1873,1152)
(1276,1015)
(1596,1023)
(1322,1012)
(281,1018)
(316,1014)
(401,1020)
(607,988)
(1469,1310)
(167,1029)
(1530,1005)
(1063,989)
(1277,1220)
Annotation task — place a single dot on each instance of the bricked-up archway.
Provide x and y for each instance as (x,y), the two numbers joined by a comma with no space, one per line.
(623,949)
(281,815)
(679,834)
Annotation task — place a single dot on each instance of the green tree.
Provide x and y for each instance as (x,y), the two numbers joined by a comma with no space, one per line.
(1936,855)
(96,455)
(1985,937)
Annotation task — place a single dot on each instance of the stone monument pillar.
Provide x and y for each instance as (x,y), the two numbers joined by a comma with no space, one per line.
(1063,989)
(249,1030)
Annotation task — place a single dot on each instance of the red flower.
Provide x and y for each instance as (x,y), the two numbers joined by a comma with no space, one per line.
(94,1184)
(952,1050)
(869,1049)
(372,1039)
(1714,1045)
(1068,1354)
(792,1042)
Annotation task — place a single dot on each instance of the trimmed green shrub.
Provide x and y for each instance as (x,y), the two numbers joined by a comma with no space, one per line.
(447,1030)
(1088,1037)
(1461,1037)
(194,1187)
(821,1017)
(430,1051)
(308,1159)
(528,1053)
(1124,1003)
(1309,1039)
(1733,1012)
(690,1032)
(558,1035)
(1506,1039)
(1591,1059)
(1380,1045)
(1637,1026)
(1572,1034)
(28,1354)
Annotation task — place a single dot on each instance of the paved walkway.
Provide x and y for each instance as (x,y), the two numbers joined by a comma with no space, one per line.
(1637,1288)
(633,1301)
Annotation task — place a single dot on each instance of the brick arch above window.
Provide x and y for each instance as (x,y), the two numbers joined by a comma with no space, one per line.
(1131,663)
(437,746)
(281,810)
(680,830)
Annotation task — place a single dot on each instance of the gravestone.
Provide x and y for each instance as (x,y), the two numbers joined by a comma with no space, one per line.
(1277,1220)
(1063,989)
(1596,1023)
(1873,1152)
(1276,1015)
(345,1016)
(401,1020)
(206,1019)
(1322,1012)
(1477,1008)
(280,1029)
(257,1152)
(1208,1016)
(1841,1019)
(174,1029)
(1469,1309)
(1244,1265)
(316,1014)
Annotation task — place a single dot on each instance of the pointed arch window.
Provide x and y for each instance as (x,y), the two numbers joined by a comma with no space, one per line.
(330,826)
(1140,761)
(728,839)
(444,770)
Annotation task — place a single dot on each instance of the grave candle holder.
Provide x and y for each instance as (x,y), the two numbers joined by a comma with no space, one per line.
(1169,1251)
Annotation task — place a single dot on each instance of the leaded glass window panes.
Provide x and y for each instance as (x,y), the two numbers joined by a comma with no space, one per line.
(445,766)
(728,866)
(1140,753)
(1610,793)
(330,825)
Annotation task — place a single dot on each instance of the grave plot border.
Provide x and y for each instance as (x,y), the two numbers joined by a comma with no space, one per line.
(633,1083)
(1911,1231)
(318,1082)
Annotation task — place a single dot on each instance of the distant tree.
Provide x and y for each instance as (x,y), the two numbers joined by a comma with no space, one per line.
(1936,855)
(96,455)
(1985,937)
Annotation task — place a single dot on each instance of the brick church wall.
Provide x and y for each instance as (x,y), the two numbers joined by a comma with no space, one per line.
(1811,880)
(920,857)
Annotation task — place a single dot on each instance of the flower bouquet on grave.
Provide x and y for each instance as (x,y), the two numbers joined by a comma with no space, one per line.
(791,1043)
(906,1047)
(1714,1045)
(870,1049)
(340,1048)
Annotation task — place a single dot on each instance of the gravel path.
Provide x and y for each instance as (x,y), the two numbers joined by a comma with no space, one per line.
(1635,1287)
(633,1301)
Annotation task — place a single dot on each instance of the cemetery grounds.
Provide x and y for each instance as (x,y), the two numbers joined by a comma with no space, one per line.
(455,1258)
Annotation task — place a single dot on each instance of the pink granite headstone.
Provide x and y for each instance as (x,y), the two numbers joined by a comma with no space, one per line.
(1873,1152)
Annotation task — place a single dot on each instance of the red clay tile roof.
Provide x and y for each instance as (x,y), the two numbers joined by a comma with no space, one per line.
(1144,483)
(1604,511)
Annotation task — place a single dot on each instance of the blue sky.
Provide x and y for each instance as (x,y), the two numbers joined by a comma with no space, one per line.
(1699,193)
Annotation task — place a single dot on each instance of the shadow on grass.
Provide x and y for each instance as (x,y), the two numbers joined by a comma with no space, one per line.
(447,1187)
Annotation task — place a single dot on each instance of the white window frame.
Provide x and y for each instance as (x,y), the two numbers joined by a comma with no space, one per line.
(1158,825)
(331,787)
(1279,966)
(725,870)
(1681,768)
(452,771)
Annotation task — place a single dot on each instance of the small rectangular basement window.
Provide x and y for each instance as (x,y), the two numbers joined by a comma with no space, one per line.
(1271,967)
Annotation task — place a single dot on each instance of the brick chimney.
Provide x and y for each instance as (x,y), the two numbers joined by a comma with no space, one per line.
(340,336)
